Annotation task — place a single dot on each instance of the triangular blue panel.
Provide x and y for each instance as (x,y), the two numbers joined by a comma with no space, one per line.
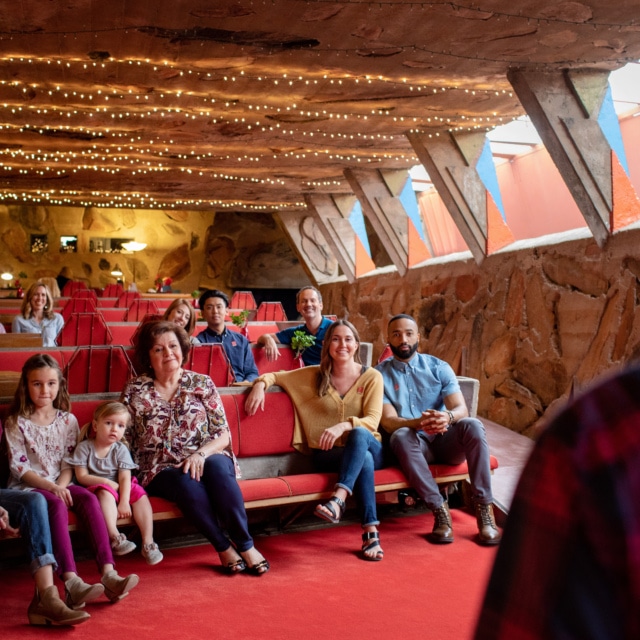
(487,172)
(356,218)
(409,202)
(610,126)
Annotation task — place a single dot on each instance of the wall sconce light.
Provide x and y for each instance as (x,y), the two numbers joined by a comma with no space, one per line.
(117,271)
(133,246)
(7,277)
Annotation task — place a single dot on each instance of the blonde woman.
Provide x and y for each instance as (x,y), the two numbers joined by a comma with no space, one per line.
(37,315)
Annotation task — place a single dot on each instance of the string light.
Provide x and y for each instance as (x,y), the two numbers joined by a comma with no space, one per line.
(87,110)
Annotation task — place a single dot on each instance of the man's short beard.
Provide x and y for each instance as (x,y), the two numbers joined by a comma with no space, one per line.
(400,354)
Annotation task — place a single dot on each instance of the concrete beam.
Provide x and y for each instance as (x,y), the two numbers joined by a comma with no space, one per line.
(308,241)
(378,194)
(324,209)
(462,171)
(573,113)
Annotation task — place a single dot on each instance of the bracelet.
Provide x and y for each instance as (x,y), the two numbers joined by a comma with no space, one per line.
(451,418)
(201,453)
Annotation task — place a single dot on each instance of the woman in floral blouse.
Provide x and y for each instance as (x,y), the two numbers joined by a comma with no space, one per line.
(181,441)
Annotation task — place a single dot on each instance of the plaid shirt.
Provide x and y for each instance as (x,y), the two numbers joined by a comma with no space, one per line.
(569,562)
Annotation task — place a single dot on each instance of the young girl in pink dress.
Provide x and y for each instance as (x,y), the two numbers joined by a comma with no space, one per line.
(103,463)
(40,432)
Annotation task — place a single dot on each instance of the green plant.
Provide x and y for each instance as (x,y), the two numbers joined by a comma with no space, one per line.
(240,318)
(301,341)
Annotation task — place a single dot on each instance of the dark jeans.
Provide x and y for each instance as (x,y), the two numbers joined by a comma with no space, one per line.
(214,504)
(355,464)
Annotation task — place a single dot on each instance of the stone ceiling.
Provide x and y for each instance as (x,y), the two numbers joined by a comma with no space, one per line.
(247,105)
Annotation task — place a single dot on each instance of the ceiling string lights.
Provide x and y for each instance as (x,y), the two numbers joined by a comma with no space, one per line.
(103,114)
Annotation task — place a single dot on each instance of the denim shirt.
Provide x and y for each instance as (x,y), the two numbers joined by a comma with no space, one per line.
(417,385)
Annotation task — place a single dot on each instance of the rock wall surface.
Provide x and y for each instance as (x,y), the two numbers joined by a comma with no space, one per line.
(193,248)
(533,325)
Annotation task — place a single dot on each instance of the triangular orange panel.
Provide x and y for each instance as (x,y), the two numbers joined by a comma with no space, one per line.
(417,249)
(626,206)
(498,233)
(364,264)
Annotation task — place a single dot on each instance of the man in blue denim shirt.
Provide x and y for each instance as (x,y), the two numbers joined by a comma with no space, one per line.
(426,415)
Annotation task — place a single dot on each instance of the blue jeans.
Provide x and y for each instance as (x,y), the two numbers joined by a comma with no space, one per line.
(355,464)
(214,504)
(28,511)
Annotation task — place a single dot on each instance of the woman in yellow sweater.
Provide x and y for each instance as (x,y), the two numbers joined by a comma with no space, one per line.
(338,405)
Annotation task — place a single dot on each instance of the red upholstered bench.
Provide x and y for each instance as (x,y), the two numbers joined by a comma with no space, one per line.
(274,474)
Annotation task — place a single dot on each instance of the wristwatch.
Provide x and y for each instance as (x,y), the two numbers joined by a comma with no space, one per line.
(201,453)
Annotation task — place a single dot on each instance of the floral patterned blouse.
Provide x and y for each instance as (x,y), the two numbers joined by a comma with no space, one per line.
(163,433)
(33,447)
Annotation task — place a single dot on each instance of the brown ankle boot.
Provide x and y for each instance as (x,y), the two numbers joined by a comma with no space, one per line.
(488,532)
(47,608)
(442,526)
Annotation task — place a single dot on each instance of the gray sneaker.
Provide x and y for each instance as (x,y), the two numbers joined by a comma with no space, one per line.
(121,546)
(151,553)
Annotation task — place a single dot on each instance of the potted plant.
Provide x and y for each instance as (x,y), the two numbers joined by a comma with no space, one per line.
(301,341)
(240,319)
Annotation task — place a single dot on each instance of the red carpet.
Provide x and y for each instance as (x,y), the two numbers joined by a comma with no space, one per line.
(318,587)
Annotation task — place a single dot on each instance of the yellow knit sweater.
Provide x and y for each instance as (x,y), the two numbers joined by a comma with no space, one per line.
(361,405)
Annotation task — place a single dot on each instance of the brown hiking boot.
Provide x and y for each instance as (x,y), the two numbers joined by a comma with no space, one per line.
(488,532)
(47,608)
(442,526)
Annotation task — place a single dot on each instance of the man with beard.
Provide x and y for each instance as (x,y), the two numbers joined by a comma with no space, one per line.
(426,415)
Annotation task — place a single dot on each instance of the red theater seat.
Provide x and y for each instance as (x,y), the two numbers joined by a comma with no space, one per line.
(270,311)
(139,308)
(71,287)
(285,362)
(112,291)
(98,369)
(86,293)
(78,305)
(212,360)
(84,329)
(150,317)
(242,300)
(126,298)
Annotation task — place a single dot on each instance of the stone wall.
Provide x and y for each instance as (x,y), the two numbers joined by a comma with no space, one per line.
(193,248)
(532,325)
